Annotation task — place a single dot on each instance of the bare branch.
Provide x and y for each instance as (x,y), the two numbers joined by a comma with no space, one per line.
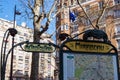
(28,15)
(56,14)
(51,10)
(24,3)
(85,14)
(102,13)
(40,17)
(43,9)
(29,5)
(45,28)
(55,31)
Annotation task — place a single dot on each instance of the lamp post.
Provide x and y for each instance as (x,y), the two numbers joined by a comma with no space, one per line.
(13,32)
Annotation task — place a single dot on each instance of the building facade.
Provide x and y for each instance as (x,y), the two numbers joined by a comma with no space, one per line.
(89,12)
(21,59)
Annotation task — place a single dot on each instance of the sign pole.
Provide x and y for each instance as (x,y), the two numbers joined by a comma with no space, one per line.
(61,74)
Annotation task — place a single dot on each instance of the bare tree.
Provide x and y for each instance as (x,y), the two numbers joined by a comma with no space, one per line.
(35,10)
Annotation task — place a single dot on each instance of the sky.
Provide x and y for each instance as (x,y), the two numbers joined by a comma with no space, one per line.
(7,13)
(7,9)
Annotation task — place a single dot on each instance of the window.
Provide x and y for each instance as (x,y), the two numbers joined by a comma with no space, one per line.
(62,27)
(18,78)
(27,57)
(82,1)
(19,71)
(72,2)
(66,14)
(58,1)
(118,42)
(101,3)
(65,4)
(19,33)
(26,72)
(26,61)
(6,25)
(20,58)
(1,23)
(49,55)
(20,65)
(87,22)
(26,66)
(75,28)
(87,8)
(66,27)
(42,55)
(117,28)
(21,38)
(25,34)
(62,15)
(117,1)
(117,13)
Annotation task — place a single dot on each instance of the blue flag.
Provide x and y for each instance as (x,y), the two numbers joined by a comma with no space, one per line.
(72,16)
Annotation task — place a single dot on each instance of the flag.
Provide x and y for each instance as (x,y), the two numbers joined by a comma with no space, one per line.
(72,16)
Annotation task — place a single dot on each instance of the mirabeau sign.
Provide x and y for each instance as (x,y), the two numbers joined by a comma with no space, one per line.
(86,46)
(39,47)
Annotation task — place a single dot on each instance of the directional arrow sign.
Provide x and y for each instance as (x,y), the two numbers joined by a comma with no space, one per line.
(39,47)
(86,46)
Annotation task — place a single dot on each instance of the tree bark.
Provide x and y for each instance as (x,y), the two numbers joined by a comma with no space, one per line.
(35,56)
(36,39)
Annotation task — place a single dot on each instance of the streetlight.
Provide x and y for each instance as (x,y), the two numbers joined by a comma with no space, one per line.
(13,32)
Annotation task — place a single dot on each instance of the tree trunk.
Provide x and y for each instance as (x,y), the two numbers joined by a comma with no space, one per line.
(35,56)
(35,66)
(36,39)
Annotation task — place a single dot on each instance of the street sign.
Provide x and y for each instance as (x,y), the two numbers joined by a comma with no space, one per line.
(88,60)
(39,47)
(85,46)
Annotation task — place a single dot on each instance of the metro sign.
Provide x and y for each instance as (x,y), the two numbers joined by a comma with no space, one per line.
(39,47)
(86,46)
